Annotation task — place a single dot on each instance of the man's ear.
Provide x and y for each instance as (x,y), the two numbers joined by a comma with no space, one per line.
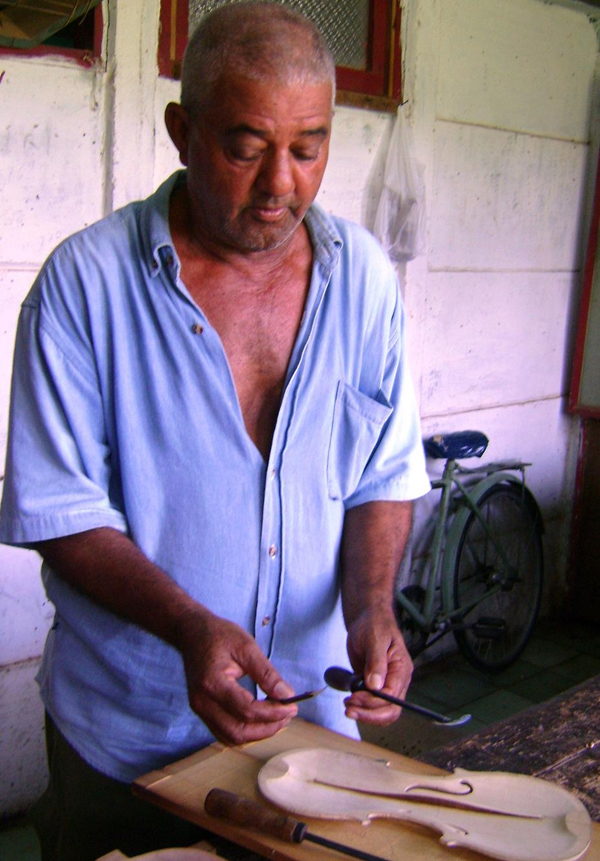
(178,126)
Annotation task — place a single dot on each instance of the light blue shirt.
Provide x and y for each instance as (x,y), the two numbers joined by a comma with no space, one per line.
(124,414)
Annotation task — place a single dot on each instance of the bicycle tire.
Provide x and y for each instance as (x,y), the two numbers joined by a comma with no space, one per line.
(511,515)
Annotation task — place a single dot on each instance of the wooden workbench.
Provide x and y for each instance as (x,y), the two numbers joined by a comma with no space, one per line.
(181,788)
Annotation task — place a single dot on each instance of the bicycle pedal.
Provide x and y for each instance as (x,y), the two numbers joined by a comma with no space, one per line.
(489,628)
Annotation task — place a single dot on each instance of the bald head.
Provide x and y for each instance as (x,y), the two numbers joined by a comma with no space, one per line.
(259,41)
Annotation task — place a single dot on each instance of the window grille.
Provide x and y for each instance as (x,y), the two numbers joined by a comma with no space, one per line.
(364,36)
(344,24)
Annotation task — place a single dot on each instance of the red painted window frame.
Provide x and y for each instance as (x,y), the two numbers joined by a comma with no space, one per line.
(381,78)
(84,57)
(592,263)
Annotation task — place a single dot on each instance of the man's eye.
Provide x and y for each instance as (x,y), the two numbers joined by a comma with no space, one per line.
(306,155)
(245,154)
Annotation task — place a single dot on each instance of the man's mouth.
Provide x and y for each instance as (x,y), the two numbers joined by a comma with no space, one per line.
(269,213)
(271,210)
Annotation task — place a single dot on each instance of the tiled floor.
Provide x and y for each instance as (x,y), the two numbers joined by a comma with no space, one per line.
(558,657)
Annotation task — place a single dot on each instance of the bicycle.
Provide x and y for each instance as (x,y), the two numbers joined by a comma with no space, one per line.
(482,577)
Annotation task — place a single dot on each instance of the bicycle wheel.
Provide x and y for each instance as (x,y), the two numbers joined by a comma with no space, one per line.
(500,623)
(415,638)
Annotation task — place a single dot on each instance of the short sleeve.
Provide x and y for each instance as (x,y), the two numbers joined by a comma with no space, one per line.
(58,479)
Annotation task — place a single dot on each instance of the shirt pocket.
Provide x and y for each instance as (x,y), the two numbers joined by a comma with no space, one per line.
(355,431)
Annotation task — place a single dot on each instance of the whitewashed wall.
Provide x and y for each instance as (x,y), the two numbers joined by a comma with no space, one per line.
(499,96)
(52,150)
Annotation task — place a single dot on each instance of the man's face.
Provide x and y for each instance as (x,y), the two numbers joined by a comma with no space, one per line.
(255,161)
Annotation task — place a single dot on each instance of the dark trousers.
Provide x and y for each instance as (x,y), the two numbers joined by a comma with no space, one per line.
(83,814)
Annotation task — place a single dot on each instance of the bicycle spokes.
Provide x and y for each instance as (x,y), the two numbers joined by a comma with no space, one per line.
(498,578)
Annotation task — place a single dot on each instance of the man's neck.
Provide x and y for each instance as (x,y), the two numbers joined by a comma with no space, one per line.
(198,248)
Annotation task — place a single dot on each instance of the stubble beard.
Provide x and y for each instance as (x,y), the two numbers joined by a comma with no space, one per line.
(241,231)
(248,234)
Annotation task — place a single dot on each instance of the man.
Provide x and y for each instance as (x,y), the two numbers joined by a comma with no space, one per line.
(213,437)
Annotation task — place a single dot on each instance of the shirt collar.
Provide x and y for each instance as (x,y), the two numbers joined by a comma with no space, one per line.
(158,244)
(156,235)
(324,236)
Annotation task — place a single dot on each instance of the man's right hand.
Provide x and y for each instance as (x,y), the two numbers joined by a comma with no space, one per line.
(105,565)
(216,654)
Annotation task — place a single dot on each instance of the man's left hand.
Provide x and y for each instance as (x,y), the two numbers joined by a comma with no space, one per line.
(377,652)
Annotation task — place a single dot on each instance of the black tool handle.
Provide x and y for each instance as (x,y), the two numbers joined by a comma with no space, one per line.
(251,814)
(345,680)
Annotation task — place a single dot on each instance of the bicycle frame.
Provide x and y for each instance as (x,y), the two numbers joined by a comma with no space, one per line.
(439,569)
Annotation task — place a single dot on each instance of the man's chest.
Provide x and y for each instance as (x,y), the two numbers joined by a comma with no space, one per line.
(257,329)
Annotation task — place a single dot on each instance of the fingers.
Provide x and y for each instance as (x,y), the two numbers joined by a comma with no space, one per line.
(265,675)
(376,649)
(235,717)
(400,670)
(388,665)
(371,710)
(375,673)
(213,672)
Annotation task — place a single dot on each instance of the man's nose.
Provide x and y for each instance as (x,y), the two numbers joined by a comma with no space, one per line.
(276,177)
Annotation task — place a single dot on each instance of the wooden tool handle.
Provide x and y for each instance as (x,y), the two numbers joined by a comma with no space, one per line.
(251,814)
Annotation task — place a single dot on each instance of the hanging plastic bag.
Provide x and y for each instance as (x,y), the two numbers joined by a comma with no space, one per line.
(400,219)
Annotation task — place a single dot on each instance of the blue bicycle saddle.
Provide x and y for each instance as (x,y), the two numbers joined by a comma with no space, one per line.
(456,445)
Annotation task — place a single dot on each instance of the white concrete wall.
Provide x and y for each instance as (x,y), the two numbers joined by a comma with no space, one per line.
(499,97)
(52,151)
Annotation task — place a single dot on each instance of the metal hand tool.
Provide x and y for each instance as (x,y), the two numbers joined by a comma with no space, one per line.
(297,698)
(346,680)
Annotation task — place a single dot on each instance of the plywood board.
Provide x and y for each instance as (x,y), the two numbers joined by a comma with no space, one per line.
(182,788)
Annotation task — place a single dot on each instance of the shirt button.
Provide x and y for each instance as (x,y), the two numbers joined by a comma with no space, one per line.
(169,260)
(265,621)
(272,474)
(197,329)
(272,551)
